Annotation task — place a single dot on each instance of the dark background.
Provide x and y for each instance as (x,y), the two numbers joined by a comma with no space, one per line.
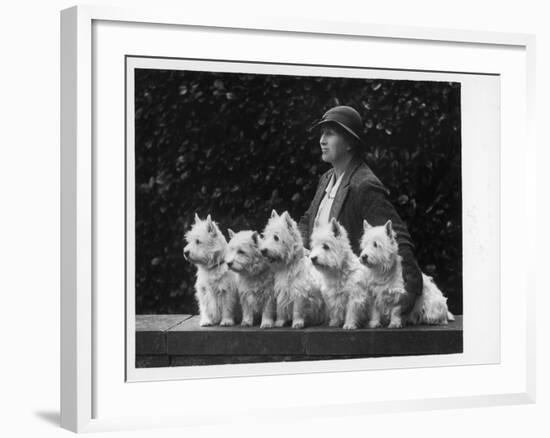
(239,145)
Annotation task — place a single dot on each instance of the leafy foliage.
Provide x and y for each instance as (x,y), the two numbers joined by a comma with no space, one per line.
(238,145)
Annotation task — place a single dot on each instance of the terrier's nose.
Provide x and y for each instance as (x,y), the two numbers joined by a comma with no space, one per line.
(186,253)
(229,264)
(314,259)
(364,258)
(264,252)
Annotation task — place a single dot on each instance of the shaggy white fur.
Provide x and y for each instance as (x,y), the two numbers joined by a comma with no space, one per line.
(297,283)
(379,252)
(255,279)
(345,279)
(431,306)
(216,285)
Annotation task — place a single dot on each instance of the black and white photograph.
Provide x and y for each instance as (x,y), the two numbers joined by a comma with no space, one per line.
(285,217)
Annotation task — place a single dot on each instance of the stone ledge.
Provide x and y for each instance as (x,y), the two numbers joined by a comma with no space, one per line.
(179,340)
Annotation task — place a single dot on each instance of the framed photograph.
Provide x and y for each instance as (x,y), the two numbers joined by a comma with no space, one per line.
(312,151)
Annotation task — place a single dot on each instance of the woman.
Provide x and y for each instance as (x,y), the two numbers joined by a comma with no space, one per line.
(351,192)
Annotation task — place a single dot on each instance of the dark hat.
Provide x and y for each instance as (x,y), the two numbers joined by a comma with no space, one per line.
(346,117)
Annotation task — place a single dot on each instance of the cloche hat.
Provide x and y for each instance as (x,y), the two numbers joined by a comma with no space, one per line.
(346,117)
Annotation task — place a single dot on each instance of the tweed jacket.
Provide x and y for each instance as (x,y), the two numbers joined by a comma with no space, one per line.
(360,196)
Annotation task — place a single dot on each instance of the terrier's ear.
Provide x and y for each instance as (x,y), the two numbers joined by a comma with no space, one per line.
(274,214)
(210,225)
(230,232)
(389,229)
(255,238)
(335,226)
(366,225)
(197,218)
(288,220)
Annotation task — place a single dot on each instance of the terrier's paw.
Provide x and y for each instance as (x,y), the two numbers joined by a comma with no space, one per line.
(246,323)
(280,323)
(227,323)
(334,323)
(350,326)
(298,324)
(391,297)
(206,323)
(267,324)
(395,324)
(374,324)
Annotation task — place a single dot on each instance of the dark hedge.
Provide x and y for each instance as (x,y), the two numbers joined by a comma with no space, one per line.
(239,145)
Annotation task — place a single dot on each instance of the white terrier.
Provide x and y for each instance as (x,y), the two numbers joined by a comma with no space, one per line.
(431,306)
(255,279)
(216,285)
(297,283)
(345,279)
(379,252)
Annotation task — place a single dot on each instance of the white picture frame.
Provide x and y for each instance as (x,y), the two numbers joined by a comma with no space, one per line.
(83,370)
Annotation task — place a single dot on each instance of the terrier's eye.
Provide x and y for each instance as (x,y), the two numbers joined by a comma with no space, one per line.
(325,246)
(240,251)
(375,245)
(276,238)
(197,241)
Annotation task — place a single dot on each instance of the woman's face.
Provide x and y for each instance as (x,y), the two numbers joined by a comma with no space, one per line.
(334,146)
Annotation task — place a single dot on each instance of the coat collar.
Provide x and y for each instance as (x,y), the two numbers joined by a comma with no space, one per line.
(344,187)
(340,194)
(348,173)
